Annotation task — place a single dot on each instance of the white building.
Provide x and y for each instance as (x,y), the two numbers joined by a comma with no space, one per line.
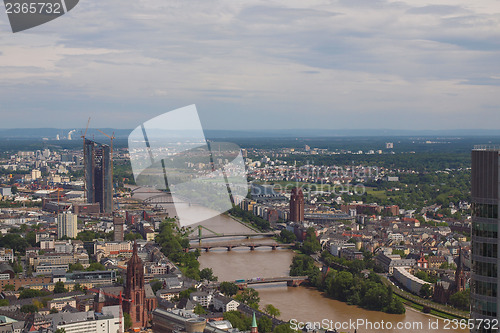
(89,322)
(67,225)
(6,255)
(201,297)
(396,237)
(223,303)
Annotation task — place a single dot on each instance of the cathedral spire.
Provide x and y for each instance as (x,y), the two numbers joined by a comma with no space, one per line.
(254,328)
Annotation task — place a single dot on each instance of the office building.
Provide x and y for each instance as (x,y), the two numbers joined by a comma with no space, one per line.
(297,205)
(67,225)
(485,241)
(118,224)
(98,175)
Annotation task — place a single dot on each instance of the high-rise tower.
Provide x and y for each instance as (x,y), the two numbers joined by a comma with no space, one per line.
(67,225)
(98,175)
(118,233)
(297,205)
(485,242)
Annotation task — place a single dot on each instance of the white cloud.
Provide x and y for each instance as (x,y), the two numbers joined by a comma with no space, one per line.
(341,60)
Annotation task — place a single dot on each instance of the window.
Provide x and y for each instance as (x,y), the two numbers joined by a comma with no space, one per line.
(485,210)
(484,288)
(484,268)
(485,250)
(484,230)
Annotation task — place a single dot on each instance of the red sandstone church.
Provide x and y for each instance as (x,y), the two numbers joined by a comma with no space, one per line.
(137,298)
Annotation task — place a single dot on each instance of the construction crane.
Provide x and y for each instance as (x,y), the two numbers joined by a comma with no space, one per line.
(58,195)
(119,297)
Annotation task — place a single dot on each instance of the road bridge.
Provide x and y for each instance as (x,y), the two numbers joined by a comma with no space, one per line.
(291,281)
(231,245)
(248,235)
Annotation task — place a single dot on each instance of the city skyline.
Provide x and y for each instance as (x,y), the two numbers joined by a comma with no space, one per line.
(406,65)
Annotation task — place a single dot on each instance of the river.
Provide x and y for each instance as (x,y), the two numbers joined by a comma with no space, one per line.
(300,303)
(307,304)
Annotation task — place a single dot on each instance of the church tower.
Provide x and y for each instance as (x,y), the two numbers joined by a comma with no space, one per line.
(134,291)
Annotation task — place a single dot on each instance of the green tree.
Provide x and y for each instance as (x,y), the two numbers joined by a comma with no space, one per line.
(17,267)
(30,293)
(86,236)
(96,266)
(396,307)
(272,311)
(59,288)
(9,287)
(302,265)
(31,238)
(287,236)
(4,302)
(461,299)
(207,274)
(131,236)
(75,267)
(341,285)
(284,328)
(199,310)
(186,293)
(127,320)
(29,308)
(265,324)
(238,320)
(77,287)
(250,297)
(426,291)
(228,288)
(311,243)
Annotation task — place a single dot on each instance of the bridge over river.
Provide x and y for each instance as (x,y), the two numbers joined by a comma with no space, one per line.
(229,245)
(291,281)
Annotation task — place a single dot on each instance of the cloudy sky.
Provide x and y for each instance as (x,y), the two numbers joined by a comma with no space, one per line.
(251,64)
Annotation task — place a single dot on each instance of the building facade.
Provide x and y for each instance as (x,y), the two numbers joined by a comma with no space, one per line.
(98,175)
(67,225)
(118,231)
(485,241)
(297,205)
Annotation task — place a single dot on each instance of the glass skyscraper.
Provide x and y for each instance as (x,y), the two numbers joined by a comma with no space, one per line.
(485,203)
(98,175)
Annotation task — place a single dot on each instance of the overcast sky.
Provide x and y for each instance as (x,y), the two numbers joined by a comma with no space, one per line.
(257,64)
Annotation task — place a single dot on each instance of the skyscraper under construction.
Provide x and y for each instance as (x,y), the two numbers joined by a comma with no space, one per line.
(98,175)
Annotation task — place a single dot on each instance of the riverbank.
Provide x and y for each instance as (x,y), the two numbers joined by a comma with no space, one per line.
(419,303)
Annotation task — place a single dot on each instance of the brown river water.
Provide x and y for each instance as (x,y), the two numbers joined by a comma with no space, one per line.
(302,305)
